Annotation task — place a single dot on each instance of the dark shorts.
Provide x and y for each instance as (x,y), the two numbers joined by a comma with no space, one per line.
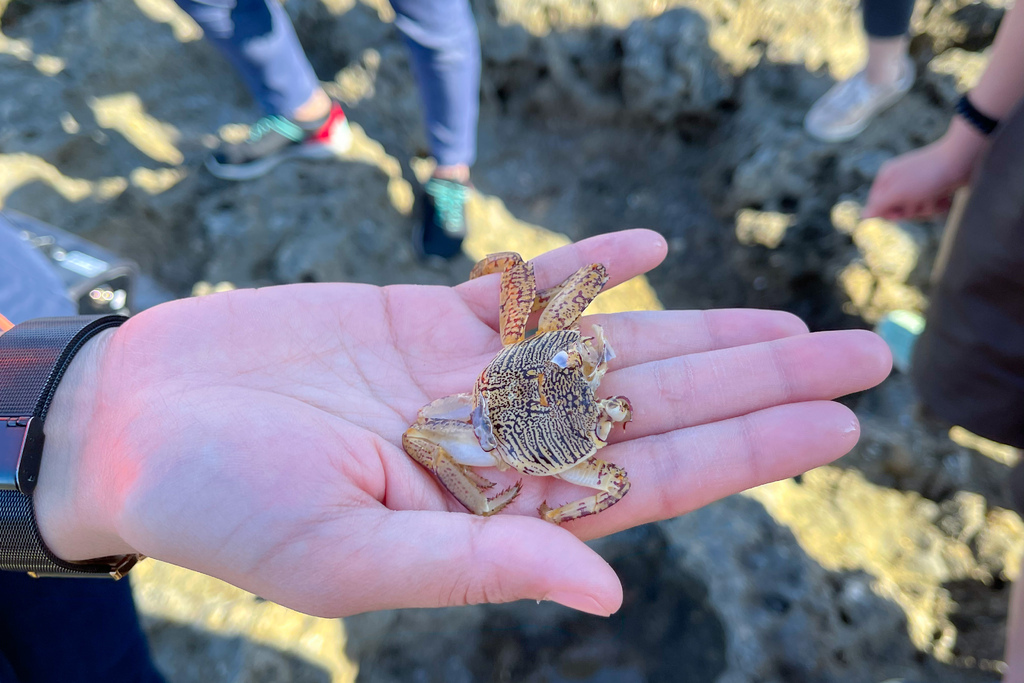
(968,365)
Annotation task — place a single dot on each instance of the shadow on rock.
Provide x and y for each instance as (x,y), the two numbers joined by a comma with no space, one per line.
(722,594)
(980,619)
(185,654)
(666,631)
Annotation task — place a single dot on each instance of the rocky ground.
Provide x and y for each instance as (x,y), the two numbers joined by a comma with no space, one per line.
(681,116)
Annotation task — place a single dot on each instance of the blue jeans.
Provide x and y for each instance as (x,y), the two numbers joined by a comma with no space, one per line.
(69,630)
(258,38)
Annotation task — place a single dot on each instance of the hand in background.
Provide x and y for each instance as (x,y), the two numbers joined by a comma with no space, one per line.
(921,184)
(256,436)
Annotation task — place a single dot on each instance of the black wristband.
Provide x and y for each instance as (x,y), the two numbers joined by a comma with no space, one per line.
(984,124)
(33,358)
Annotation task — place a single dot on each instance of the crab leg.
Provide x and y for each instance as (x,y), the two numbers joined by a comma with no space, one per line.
(421,442)
(596,474)
(518,291)
(496,263)
(574,295)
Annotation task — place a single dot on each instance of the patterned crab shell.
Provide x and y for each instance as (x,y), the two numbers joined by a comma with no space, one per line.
(539,412)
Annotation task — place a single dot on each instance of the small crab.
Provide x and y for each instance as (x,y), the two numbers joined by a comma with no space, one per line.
(534,407)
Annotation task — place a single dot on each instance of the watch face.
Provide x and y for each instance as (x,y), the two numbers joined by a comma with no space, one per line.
(21,447)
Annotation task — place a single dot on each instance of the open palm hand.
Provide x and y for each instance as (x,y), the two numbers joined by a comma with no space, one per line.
(256,436)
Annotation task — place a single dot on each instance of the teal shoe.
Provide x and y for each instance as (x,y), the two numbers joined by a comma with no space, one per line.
(442,226)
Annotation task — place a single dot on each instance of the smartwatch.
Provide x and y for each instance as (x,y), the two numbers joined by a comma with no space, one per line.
(33,358)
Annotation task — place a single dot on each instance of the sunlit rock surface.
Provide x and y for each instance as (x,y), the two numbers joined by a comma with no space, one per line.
(685,117)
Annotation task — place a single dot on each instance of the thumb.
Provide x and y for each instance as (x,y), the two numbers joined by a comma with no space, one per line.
(436,559)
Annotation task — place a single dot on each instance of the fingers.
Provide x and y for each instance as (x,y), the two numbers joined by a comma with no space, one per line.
(887,196)
(437,559)
(916,185)
(648,336)
(680,471)
(909,211)
(716,385)
(625,254)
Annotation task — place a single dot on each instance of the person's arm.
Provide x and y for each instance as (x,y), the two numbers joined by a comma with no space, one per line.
(256,436)
(921,183)
(1001,86)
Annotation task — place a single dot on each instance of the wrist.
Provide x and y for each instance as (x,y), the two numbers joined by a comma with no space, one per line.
(964,138)
(74,508)
(963,144)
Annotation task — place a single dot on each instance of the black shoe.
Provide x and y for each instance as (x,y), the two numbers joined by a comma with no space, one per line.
(443,224)
(274,139)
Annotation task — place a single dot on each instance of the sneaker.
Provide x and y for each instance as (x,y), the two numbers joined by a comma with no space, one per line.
(900,330)
(443,225)
(848,107)
(274,139)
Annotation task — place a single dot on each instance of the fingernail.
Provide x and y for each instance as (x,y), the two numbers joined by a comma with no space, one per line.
(583,603)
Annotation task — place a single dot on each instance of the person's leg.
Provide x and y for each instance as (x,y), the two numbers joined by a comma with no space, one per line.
(72,630)
(886,23)
(445,51)
(257,37)
(849,106)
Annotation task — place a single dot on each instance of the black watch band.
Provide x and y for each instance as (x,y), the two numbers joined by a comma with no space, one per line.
(981,122)
(33,358)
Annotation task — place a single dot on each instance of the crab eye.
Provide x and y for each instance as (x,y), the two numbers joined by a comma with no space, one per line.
(561,359)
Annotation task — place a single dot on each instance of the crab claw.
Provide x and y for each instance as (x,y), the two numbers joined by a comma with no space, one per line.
(614,409)
(620,410)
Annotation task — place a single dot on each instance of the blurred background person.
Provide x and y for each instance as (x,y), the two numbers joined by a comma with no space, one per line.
(968,363)
(54,629)
(849,106)
(303,122)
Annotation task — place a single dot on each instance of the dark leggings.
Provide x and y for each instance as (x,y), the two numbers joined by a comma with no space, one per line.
(72,631)
(886,18)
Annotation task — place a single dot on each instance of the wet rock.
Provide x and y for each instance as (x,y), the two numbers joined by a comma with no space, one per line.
(669,71)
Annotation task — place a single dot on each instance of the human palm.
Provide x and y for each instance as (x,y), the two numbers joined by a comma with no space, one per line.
(256,435)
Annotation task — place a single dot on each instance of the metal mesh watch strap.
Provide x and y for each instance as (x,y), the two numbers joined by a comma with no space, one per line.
(22,549)
(33,358)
